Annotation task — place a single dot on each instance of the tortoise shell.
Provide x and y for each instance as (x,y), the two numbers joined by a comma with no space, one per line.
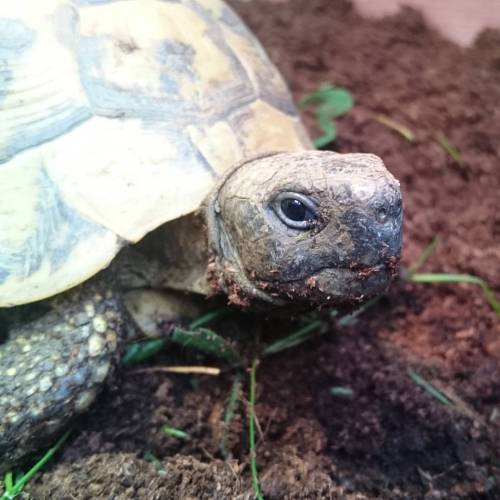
(116,117)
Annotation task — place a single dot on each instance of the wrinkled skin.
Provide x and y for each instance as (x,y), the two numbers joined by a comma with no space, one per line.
(350,250)
(345,249)
(53,367)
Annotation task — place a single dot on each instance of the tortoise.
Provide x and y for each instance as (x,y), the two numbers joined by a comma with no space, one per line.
(157,136)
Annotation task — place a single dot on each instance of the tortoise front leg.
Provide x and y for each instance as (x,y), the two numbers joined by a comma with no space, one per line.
(52,369)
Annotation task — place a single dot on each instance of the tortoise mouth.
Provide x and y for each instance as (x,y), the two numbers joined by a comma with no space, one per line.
(343,285)
(335,286)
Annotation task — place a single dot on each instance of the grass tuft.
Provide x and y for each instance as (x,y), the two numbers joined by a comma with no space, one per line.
(14,488)
(198,337)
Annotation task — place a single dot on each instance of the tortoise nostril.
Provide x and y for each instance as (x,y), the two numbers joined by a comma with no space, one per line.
(399,206)
(382,215)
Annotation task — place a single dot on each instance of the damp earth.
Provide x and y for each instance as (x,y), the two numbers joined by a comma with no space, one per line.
(381,435)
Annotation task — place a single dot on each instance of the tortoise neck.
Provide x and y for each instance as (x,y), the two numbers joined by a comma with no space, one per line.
(175,255)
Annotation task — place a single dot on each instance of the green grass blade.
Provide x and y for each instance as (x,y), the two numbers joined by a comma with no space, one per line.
(17,488)
(209,317)
(150,457)
(424,257)
(329,131)
(296,338)
(207,341)
(233,400)
(251,433)
(329,102)
(341,392)
(429,388)
(396,126)
(142,351)
(232,404)
(351,318)
(448,147)
(9,481)
(336,101)
(175,433)
(460,278)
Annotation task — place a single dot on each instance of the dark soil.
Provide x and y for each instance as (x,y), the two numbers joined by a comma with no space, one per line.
(391,439)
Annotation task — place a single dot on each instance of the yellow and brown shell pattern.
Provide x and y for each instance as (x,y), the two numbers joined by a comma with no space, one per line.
(115,117)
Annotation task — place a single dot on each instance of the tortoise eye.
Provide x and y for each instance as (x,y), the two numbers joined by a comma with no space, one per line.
(295,210)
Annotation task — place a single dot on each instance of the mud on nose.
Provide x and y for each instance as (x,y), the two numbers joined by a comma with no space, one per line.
(376,230)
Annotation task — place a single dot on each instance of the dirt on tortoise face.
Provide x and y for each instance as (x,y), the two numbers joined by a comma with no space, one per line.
(390,438)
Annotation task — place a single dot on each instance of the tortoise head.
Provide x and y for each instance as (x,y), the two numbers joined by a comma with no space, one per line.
(311,227)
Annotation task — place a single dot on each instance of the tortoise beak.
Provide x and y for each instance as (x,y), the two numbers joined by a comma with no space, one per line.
(354,286)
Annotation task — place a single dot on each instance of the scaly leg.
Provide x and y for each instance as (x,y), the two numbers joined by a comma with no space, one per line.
(52,369)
